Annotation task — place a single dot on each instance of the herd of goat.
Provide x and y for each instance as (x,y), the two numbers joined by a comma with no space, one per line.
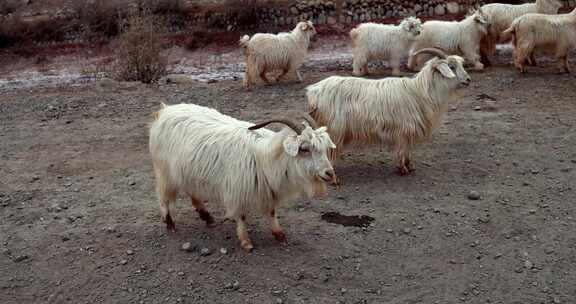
(210,156)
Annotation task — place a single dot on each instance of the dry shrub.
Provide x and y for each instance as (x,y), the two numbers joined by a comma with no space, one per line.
(139,53)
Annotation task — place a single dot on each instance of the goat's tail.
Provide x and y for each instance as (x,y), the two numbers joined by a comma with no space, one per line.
(243,42)
(156,114)
(509,33)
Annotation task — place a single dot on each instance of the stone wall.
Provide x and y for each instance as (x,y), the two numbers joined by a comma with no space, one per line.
(247,14)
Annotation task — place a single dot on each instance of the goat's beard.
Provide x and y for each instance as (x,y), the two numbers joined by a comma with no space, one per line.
(319,188)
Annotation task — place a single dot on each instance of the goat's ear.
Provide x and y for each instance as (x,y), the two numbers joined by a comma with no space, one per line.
(304,26)
(444,69)
(291,145)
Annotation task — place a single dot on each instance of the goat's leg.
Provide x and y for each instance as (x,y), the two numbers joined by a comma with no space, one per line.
(532,60)
(299,76)
(165,212)
(248,75)
(284,72)
(263,76)
(395,64)
(358,64)
(412,62)
(242,232)
(408,162)
(472,56)
(202,212)
(519,59)
(565,63)
(402,158)
(487,47)
(166,195)
(523,50)
(276,229)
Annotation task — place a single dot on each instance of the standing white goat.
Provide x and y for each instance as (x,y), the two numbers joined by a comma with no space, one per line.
(210,156)
(372,41)
(454,37)
(283,51)
(556,33)
(501,16)
(396,111)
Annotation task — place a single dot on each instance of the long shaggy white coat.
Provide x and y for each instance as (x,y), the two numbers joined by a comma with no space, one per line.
(214,157)
(396,112)
(282,51)
(454,37)
(501,16)
(374,41)
(552,33)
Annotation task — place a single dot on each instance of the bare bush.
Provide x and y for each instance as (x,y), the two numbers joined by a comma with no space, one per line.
(139,53)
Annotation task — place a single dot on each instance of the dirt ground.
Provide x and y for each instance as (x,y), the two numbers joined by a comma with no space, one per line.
(79,221)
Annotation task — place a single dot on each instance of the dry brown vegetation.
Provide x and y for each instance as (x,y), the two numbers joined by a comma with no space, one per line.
(139,53)
(94,20)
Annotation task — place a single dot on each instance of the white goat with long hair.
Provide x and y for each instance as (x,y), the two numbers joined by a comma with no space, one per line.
(282,51)
(555,33)
(396,111)
(501,16)
(373,41)
(210,156)
(455,37)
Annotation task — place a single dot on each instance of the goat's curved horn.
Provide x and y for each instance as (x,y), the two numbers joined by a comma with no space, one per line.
(308,118)
(433,51)
(298,128)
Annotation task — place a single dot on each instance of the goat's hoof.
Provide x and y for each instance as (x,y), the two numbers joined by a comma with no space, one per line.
(403,171)
(280,237)
(247,246)
(207,218)
(170,223)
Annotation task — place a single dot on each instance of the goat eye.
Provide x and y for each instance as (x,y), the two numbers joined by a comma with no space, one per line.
(452,66)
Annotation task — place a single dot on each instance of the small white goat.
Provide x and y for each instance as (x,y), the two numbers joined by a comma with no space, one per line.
(396,111)
(210,156)
(454,37)
(555,33)
(373,41)
(283,51)
(501,16)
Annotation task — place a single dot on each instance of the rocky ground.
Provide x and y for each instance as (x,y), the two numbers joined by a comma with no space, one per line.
(488,217)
